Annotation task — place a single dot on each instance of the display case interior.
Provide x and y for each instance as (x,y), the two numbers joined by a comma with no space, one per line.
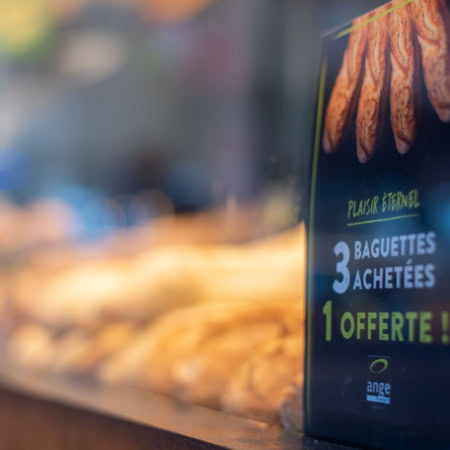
(151,238)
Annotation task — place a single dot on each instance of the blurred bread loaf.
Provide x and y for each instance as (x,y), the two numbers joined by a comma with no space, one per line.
(84,351)
(154,360)
(200,378)
(265,382)
(217,325)
(164,279)
(30,347)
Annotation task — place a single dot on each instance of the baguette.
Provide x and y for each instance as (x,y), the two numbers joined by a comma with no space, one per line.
(345,91)
(31,347)
(200,325)
(404,79)
(152,358)
(265,383)
(110,339)
(200,378)
(69,347)
(431,19)
(372,102)
(149,285)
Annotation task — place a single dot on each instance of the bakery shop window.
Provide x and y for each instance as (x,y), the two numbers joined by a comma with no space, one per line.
(151,201)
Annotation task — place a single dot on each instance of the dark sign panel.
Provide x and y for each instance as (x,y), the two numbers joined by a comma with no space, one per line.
(378,334)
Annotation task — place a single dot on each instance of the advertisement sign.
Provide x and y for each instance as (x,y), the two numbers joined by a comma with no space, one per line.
(378,321)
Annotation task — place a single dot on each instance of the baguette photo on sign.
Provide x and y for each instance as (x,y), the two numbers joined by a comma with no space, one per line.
(389,52)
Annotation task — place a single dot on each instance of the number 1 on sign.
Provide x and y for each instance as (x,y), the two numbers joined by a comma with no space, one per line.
(327,310)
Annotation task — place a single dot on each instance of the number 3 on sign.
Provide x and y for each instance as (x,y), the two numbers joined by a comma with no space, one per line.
(342,249)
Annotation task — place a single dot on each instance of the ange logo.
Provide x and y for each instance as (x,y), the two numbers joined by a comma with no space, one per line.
(378,379)
(379,366)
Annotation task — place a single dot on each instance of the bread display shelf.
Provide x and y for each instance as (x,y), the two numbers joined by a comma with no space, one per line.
(64,413)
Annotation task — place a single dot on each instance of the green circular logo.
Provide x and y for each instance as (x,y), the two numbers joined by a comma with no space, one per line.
(379,365)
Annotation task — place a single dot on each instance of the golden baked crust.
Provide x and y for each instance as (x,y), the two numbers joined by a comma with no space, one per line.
(205,323)
(431,19)
(264,383)
(399,36)
(372,102)
(69,346)
(200,378)
(345,91)
(404,79)
(153,359)
(109,340)
(121,319)
(31,347)
(143,287)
